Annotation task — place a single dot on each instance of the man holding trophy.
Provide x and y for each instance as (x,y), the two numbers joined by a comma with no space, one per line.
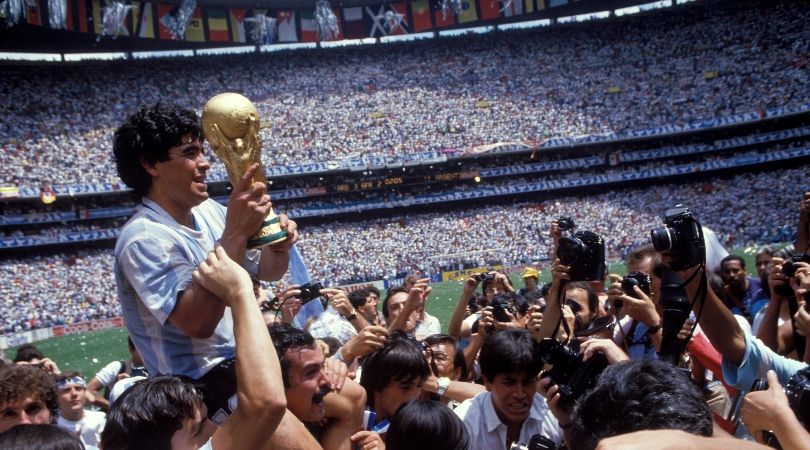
(178,326)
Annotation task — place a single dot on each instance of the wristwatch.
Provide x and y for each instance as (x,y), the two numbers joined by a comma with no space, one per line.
(350,317)
(654,329)
(443,383)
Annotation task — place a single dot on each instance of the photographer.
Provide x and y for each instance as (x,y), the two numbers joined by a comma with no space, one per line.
(639,330)
(492,284)
(340,320)
(283,307)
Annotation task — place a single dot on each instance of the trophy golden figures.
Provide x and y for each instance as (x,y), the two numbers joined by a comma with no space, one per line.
(230,124)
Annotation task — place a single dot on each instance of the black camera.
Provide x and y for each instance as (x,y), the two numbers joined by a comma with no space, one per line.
(797,391)
(566,223)
(640,279)
(483,276)
(500,310)
(573,376)
(584,252)
(682,237)
(789,270)
(310,291)
(537,442)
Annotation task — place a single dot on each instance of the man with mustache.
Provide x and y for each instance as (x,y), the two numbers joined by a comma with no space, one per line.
(331,414)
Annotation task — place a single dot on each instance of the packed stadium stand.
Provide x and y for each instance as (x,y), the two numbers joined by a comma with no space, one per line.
(390,156)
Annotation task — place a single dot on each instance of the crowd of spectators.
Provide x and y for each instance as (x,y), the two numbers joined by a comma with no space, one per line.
(49,290)
(389,100)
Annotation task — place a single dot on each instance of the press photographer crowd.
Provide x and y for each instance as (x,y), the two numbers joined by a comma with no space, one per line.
(685,351)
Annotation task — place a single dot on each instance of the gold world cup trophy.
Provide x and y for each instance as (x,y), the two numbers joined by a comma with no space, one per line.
(230,124)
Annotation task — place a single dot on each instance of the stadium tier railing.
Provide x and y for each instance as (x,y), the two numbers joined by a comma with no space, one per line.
(658,173)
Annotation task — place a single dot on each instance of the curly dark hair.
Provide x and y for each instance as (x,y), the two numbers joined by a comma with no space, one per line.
(22,381)
(147,414)
(639,395)
(146,137)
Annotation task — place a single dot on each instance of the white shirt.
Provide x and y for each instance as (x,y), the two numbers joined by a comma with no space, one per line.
(487,432)
(88,428)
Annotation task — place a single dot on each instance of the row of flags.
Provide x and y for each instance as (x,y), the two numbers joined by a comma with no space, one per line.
(152,20)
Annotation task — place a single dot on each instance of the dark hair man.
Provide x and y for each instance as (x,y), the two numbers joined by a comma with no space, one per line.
(744,294)
(511,409)
(30,354)
(426,425)
(393,375)
(169,413)
(27,396)
(639,395)
(311,397)
(179,327)
(365,303)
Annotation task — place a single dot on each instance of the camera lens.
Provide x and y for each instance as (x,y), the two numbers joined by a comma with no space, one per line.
(663,239)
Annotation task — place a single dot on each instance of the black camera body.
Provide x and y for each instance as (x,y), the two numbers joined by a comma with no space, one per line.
(632,279)
(789,270)
(310,291)
(584,252)
(537,442)
(573,376)
(797,391)
(682,237)
(500,309)
(483,276)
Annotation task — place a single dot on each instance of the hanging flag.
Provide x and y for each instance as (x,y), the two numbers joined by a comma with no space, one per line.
(514,9)
(69,15)
(81,15)
(398,23)
(195,31)
(217,25)
(97,16)
(468,12)
(491,9)
(164,13)
(33,12)
(441,19)
(387,20)
(134,18)
(309,27)
(237,19)
(420,11)
(353,20)
(286,26)
(147,27)
(530,5)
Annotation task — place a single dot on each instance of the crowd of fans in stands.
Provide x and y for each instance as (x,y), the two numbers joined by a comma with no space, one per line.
(50,290)
(57,128)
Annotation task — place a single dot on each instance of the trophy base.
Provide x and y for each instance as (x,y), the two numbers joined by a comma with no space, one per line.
(269,234)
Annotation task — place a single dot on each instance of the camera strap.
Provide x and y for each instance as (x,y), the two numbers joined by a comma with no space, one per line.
(701,294)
